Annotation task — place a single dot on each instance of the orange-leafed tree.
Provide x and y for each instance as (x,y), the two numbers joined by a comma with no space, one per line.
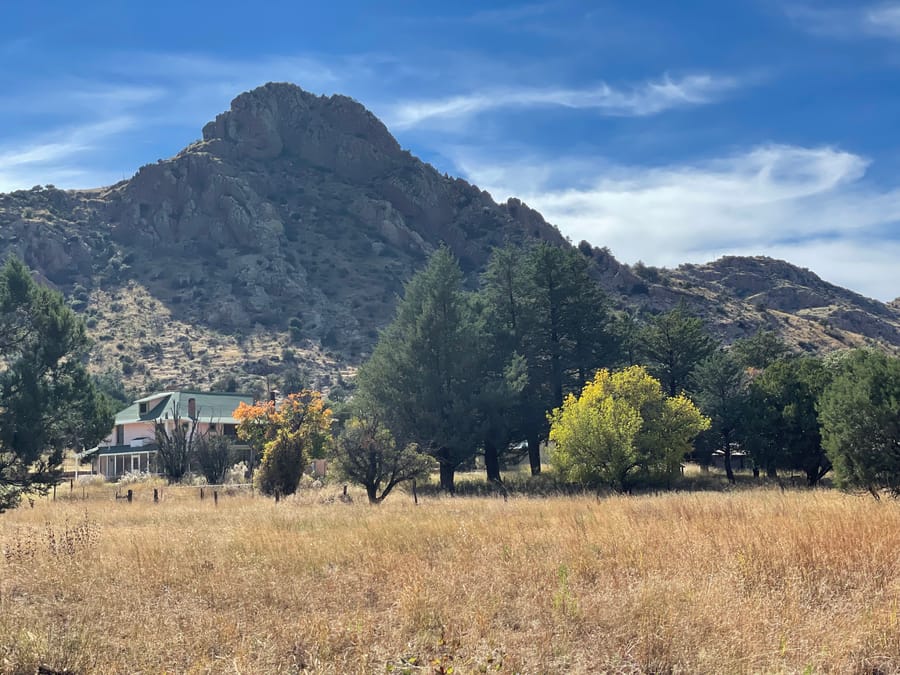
(285,435)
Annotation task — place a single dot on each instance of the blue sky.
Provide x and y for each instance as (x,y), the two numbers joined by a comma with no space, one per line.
(669,131)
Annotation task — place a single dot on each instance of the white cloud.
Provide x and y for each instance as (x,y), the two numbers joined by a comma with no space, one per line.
(776,199)
(884,19)
(60,157)
(645,99)
(873,20)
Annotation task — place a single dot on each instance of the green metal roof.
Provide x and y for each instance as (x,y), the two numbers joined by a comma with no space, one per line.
(211,407)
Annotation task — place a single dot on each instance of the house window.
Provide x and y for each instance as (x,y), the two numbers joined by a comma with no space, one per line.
(229,430)
(120,434)
(143,407)
(192,408)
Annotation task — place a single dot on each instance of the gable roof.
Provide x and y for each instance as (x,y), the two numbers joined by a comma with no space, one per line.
(211,406)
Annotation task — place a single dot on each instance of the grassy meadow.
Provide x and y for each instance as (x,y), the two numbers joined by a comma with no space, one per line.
(751,581)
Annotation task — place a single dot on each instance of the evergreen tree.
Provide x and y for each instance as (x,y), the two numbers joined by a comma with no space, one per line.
(760,350)
(782,428)
(860,415)
(547,309)
(720,383)
(48,403)
(672,345)
(425,376)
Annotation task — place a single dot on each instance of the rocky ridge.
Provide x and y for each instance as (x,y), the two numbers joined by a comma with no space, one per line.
(282,238)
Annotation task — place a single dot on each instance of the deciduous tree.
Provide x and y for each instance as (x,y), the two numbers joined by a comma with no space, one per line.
(368,454)
(288,435)
(174,445)
(622,423)
(214,454)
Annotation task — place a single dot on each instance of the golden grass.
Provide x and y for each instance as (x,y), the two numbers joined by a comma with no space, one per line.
(754,581)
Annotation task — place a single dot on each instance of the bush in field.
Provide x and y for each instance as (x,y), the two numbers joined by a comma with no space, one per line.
(288,435)
(369,455)
(621,424)
(213,455)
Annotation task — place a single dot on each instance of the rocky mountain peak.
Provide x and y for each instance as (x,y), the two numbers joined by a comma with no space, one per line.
(280,119)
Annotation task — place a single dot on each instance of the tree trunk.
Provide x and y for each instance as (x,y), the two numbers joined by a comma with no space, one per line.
(491,461)
(448,472)
(372,493)
(771,471)
(534,455)
(727,458)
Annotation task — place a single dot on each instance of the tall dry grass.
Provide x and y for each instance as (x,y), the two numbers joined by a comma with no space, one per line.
(745,582)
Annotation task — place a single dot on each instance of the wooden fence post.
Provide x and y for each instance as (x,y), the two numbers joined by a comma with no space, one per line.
(415,495)
(155,495)
(130,496)
(216,497)
(54,492)
(201,494)
(71,485)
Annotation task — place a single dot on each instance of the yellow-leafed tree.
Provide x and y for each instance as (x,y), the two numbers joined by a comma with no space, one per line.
(288,435)
(622,423)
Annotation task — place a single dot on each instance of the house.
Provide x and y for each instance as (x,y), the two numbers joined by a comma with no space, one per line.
(131,447)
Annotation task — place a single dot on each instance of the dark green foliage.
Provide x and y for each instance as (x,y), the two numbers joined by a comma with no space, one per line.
(48,403)
(646,272)
(782,429)
(214,454)
(860,416)
(424,376)
(293,381)
(542,306)
(760,350)
(295,327)
(720,386)
(672,344)
(228,383)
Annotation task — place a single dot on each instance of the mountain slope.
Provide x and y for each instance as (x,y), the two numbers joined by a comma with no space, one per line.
(282,238)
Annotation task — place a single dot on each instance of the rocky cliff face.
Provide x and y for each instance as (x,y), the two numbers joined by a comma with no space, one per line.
(283,238)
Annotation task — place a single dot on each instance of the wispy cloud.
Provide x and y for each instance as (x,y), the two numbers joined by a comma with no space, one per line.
(79,124)
(60,157)
(884,19)
(648,98)
(872,20)
(508,15)
(791,201)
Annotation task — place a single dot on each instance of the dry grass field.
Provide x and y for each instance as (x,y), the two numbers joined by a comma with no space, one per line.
(745,582)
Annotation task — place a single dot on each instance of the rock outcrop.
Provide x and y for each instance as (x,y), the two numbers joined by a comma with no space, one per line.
(292,226)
